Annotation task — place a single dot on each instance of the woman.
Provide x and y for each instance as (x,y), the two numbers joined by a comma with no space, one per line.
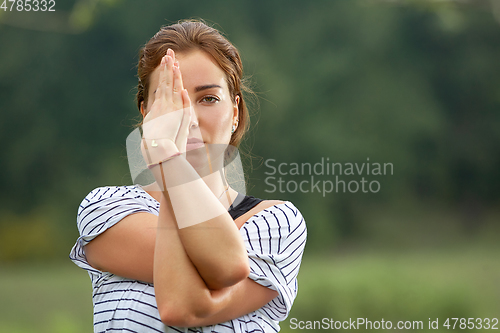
(188,250)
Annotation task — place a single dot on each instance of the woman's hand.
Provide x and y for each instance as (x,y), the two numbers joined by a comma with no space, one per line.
(166,125)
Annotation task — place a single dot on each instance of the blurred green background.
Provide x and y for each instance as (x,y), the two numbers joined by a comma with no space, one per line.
(412,83)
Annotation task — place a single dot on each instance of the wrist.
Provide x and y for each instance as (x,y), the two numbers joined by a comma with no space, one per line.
(158,150)
(152,165)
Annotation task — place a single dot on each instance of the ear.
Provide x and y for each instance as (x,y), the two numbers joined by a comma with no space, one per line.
(143,112)
(236,110)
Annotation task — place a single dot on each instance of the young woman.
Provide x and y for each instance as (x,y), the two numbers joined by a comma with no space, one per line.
(188,253)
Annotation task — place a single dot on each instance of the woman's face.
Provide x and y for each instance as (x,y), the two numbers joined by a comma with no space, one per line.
(214,112)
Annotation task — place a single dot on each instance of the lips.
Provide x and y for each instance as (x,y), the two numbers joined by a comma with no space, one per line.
(194,140)
(194,143)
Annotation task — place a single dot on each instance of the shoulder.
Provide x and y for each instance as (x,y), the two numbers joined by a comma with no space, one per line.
(283,216)
(110,191)
(110,203)
(284,212)
(113,194)
(278,208)
(277,232)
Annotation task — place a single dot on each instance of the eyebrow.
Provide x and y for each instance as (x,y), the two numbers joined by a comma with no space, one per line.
(207,86)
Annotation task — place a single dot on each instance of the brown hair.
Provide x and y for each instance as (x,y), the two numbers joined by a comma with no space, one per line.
(190,35)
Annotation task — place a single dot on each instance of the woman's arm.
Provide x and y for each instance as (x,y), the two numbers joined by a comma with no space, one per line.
(208,232)
(128,249)
(182,297)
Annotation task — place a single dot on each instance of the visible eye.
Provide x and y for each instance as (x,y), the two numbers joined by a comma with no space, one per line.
(210,99)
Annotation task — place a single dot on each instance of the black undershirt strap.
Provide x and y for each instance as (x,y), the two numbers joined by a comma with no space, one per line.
(242,204)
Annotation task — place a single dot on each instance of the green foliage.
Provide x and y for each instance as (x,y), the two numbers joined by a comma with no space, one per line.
(413,83)
(28,238)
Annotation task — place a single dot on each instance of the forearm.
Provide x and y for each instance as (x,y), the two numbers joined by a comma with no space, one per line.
(182,297)
(206,230)
(181,294)
(208,233)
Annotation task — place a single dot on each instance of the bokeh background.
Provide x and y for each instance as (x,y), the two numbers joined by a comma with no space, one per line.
(412,83)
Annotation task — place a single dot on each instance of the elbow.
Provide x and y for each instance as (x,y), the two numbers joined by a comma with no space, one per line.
(179,314)
(170,318)
(231,276)
(175,316)
(241,272)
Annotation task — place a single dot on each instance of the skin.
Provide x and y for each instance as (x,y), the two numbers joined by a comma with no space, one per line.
(181,262)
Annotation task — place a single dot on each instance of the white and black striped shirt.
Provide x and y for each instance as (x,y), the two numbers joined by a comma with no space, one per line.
(274,239)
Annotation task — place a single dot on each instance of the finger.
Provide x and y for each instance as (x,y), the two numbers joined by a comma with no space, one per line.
(183,133)
(186,101)
(159,94)
(167,85)
(171,53)
(177,89)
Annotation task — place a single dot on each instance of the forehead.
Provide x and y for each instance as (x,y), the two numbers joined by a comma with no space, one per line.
(198,68)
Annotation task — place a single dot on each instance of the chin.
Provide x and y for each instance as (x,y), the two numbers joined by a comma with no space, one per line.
(198,159)
(206,159)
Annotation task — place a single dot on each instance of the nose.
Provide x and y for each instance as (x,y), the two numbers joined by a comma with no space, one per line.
(194,119)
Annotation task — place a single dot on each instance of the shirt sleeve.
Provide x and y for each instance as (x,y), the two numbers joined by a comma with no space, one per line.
(100,210)
(275,239)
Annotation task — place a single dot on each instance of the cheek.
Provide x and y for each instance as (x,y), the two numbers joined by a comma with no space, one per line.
(226,119)
(217,122)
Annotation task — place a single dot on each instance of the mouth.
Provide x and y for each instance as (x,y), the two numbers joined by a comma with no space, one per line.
(194,143)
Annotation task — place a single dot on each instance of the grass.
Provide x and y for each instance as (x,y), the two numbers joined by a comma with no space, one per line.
(417,286)
(459,283)
(45,299)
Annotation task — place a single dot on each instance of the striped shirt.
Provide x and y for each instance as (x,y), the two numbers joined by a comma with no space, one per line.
(274,239)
